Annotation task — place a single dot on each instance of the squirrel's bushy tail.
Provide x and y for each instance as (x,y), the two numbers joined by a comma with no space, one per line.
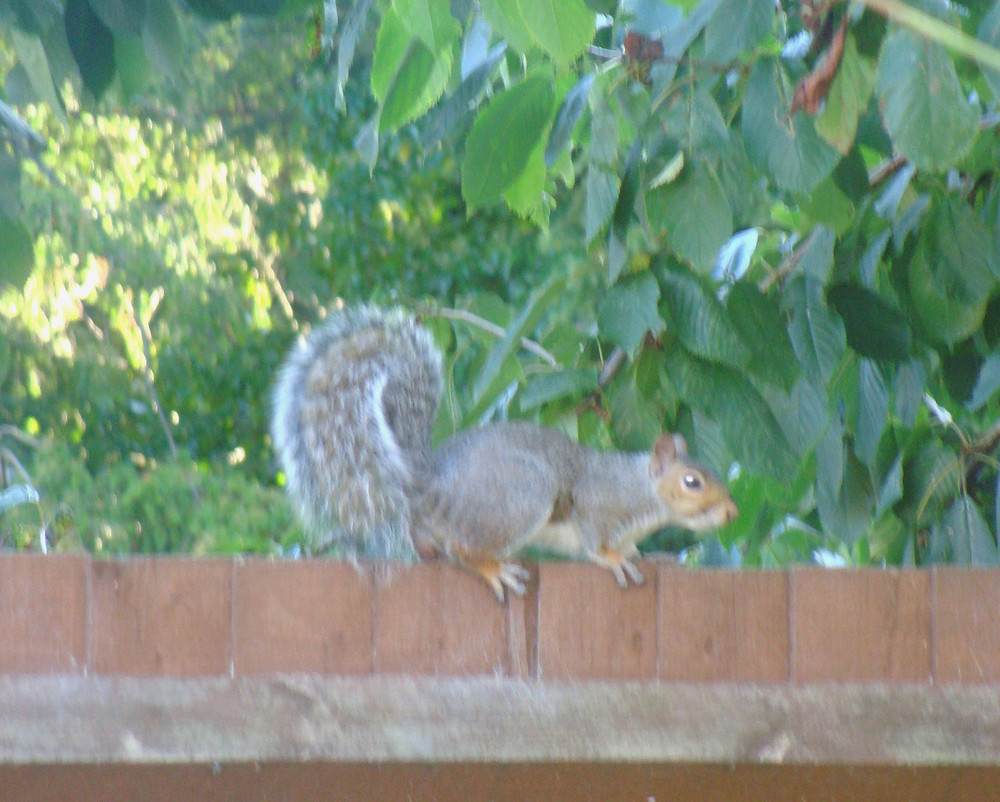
(353,410)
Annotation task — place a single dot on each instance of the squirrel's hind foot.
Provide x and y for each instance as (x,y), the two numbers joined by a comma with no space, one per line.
(619,564)
(500,576)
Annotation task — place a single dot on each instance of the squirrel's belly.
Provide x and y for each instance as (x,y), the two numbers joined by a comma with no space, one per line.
(563,537)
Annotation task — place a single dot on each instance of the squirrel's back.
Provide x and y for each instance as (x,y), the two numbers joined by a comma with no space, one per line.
(353,410)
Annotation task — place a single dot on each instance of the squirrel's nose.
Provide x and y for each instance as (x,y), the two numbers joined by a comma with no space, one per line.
(731,511)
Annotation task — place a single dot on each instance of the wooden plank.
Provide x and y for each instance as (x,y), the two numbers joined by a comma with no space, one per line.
(73,719)
(492,782)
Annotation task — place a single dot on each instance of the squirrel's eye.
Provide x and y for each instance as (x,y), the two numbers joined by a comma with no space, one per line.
(692,481)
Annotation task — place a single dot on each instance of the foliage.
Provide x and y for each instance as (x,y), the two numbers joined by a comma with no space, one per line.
(775,230)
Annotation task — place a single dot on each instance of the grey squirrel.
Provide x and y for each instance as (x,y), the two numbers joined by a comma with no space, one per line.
(353,410)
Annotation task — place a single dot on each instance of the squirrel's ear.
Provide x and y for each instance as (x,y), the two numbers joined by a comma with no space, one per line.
(680,445)
(664,452)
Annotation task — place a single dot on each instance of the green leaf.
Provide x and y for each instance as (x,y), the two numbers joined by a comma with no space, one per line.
(693,214)
(10,186)
(911,380)
(502,138)
(989,32)
(485,384)
(452,115)
(349,32)
(635,418)
(788,150)
(32,57)
(987,383)
(601,188)
(801,413)
(827,205)
(563,28)
(817,334)
(407,76)
(699,321)
(418,85)
(507,20)
(430,21)
(874,327)
(123,17)
(92,46)
(971,541)
(931,478)
(162,36)
(17,253)
(950,276)
(391,47)
(602,183)
(924,107)
(705,128)
(748,425)
(758,321)
(547,387)
(628,310)
(134,70)
(847,99)
(891,490)
(816,260)
(873,411)
(845,497)
(567,117)
(737,26)
(526,193)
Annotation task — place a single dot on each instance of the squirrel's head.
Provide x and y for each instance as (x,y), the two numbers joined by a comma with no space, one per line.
(697,496)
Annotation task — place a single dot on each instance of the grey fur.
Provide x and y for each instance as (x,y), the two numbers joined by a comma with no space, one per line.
(353,410)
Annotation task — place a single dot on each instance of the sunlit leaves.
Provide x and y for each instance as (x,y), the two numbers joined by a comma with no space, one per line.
(560,28)
(505,133)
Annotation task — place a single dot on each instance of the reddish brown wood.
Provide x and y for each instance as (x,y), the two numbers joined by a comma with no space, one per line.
(523,782)
(967,625)
(43,613)
(863,625)
(162,617)
(522,629)
(313,616)
(589,628)
(719,626)
(435,618)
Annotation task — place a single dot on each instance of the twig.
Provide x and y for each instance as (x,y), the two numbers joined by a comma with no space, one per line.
(6,455)
(987,443)
(498,331)
(146,336)
(6,430)
(789,263)
(605,53)
(20,128)
(611,366)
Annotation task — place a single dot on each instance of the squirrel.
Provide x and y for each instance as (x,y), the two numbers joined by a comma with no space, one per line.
(353,409)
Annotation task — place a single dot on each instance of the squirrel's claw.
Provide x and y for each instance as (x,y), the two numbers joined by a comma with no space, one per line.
(512,576)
